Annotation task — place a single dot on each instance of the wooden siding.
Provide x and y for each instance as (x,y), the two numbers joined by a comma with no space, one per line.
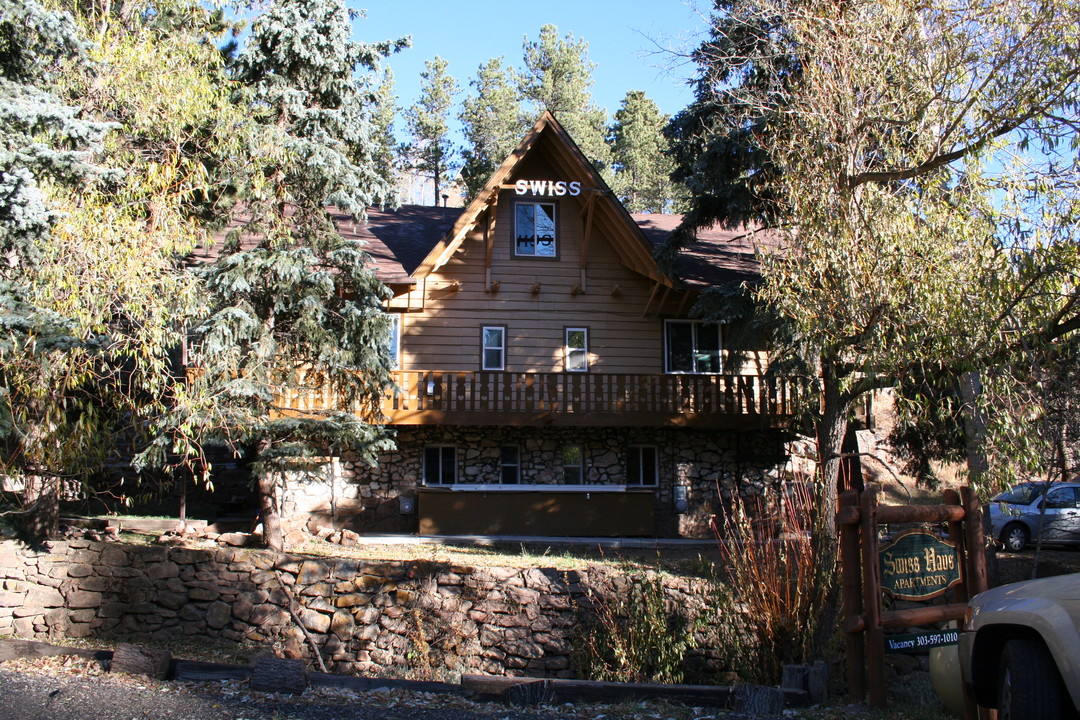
(597,513)
(458,299)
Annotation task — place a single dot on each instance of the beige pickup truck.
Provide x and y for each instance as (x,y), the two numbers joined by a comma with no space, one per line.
(1020,652)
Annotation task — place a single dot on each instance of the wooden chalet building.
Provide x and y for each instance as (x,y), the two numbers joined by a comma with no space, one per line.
(550,381)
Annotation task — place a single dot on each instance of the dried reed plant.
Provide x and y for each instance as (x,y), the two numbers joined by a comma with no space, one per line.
(781,571)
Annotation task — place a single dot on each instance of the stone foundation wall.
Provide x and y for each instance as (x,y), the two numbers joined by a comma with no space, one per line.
(394,618)
(711,465)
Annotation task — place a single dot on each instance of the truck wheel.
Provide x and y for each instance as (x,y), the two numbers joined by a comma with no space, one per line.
(1015,537)
(1029,686)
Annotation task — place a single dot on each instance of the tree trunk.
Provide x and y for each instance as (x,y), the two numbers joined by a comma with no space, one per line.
(830,438)
(139,660)
(41,518)
(270,509)
(977,462)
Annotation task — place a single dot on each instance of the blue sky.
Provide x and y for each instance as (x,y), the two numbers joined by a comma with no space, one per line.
(623,40)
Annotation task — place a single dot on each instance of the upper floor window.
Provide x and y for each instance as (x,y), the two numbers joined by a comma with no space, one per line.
(691,346)
(493,348)
(642,467)
(534,229)
(577,349)
(395,340)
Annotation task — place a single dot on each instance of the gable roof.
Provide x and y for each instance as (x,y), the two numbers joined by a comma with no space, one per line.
(562,152)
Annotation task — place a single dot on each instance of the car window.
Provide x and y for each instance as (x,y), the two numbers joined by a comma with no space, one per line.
(1022,494)
(1061,498)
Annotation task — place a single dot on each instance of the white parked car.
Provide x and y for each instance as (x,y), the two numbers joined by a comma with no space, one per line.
(1020,651)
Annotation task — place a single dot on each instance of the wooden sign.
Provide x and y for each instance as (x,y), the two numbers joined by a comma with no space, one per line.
(918,565)
(912,642)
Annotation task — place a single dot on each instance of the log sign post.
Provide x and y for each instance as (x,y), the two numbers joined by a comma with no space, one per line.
(916,565)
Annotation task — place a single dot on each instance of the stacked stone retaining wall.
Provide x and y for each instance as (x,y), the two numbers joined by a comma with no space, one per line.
(415,618)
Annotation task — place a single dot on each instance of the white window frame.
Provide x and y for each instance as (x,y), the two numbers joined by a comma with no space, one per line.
(635,458)
(569,352)
(484,347)
(535,241)
(503,465)
(695,326)
(397,322)
(579,467)
(441,470)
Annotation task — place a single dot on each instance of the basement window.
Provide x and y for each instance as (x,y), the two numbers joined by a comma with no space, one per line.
(642,465)
(573,462)
(440,465)
(510,465)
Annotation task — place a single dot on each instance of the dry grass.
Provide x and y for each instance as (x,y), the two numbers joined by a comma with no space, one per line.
(559,557)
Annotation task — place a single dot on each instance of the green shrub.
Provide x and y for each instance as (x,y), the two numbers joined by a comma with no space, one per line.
(637,637)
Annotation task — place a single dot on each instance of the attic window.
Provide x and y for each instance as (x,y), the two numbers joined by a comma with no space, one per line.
(534,229)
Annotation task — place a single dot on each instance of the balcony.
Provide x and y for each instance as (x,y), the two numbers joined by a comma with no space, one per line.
(587,399)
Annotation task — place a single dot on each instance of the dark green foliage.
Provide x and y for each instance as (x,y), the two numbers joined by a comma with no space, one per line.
(431,153)
(557,77)
(640,156)
(930,425)
(716,140)
(494,123)
(293,307)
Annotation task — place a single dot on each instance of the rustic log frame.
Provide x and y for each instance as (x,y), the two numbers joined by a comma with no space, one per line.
(857,518)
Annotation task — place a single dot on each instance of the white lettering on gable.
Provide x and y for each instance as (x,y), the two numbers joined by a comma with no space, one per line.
(550,188)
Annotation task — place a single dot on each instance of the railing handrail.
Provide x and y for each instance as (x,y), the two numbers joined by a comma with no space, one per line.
(591,392)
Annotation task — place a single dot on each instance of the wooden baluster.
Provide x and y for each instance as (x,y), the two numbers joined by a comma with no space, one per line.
(464,391)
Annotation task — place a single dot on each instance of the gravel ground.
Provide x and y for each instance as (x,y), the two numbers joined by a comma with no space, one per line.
(73,688)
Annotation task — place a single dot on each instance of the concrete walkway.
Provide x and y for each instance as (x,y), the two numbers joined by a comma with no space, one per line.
(547,541)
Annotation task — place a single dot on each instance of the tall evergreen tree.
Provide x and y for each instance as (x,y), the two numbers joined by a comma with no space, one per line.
(557,77)
(494,123)
(386,155)
(640,159)
(431,152)
(293,305)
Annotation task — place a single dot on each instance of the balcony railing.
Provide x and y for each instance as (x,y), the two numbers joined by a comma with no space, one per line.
(427,397)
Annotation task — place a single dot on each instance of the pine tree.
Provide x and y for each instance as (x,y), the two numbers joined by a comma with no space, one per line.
(386,156)
(299,309)
(641,163)
(557,77)
(431,153)
(493,121)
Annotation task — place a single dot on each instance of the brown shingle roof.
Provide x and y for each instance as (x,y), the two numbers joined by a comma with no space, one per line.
(399,240)
(715,256)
